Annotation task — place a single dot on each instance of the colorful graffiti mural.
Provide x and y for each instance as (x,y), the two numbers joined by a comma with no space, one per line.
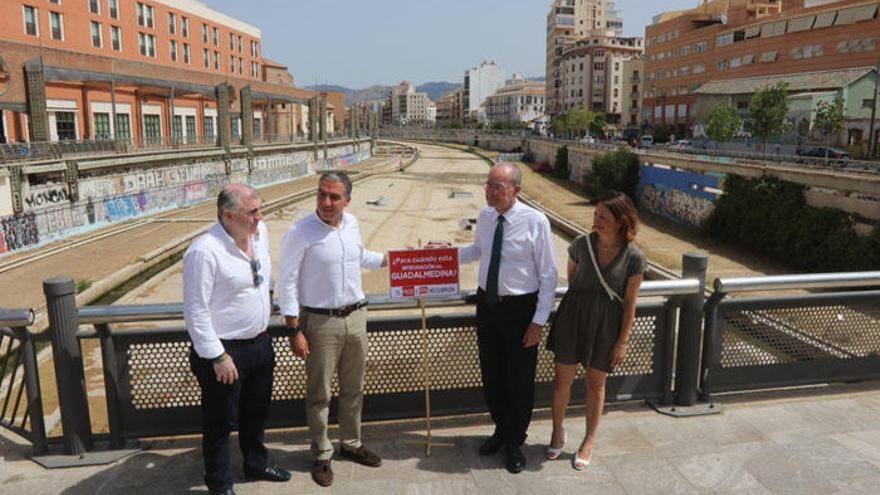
(684,197)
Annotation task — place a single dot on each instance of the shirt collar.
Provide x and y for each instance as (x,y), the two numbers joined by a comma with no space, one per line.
(220,232)
(344,223)
(509,214)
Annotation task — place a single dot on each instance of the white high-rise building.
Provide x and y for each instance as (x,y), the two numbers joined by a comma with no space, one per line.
(479,83)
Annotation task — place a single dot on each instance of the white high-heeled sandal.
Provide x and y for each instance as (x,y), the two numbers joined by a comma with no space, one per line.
(578,463)
(554,453)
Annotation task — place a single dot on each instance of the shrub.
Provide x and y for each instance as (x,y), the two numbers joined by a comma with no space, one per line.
(618,170)
(771,216)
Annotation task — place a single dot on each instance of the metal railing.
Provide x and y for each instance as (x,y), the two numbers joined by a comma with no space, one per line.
(755,342)
(21,406)
(150,390)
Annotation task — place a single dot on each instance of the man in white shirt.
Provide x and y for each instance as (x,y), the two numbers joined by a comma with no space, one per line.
(322,301)
(226,307)
(517,280)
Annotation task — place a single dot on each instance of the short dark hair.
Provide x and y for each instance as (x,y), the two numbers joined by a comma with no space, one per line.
(229,199)
(624,211)
(337,176)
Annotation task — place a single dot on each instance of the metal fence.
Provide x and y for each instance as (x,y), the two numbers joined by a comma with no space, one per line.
(22,408)
(759,342)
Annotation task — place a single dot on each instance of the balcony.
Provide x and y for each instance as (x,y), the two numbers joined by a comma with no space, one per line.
(764,8)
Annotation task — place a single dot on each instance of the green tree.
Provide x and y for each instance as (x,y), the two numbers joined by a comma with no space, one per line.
(560,125)
(829,119)
(580,120)
(618,170)
(597,126)
(723,124)
(768,110)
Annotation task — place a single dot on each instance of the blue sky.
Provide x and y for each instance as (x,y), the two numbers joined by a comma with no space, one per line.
(357,43)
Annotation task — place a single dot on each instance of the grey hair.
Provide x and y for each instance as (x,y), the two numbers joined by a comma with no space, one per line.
(337,176)
(230,198)
(515,172)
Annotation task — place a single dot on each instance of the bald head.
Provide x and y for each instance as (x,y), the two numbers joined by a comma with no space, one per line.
(507,172)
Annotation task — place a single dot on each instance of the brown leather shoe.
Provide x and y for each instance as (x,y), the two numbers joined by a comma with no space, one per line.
(361,456)
(322,473)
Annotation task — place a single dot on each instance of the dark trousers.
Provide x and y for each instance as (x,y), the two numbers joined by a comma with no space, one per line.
(244,404)
(508,369)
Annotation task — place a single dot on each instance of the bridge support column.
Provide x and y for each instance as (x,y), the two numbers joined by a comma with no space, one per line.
(247,118)
(35,86)
(223,115)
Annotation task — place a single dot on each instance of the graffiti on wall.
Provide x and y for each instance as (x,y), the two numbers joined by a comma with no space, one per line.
(45,196)
(684,197)
(18,232)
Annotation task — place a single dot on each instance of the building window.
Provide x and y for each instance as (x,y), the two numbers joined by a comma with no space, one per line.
(152,129)
(185,53)
(206,58)
(123,126)
(173,46)
(56,24)
(113,8)
(258,127)
(204,33)
(231,41)
(216,37)
(868,103)
(177,127)
(236,133)
(102,125)
(254,48)
(184,27)
(115,39)
(209,127)
(240,65)
(97,38)
(239,43)
(94,7)
(232,63)
(145,15)
(217,60)
(147,44)
(172,23)
(255,69)
(65,126)
(190,127)
(30,21)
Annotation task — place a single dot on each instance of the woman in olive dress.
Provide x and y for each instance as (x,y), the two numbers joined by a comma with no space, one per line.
(593,323)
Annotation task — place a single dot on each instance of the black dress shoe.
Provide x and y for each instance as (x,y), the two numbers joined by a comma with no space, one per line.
(491,445)
(228,491)
(516,461)
(269,473)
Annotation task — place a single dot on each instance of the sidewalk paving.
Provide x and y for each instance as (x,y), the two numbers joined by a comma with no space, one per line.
(810,441)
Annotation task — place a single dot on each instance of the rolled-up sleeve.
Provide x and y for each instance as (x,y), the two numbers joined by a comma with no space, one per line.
(545,263)
(293,248)
(198,285)
(371,260)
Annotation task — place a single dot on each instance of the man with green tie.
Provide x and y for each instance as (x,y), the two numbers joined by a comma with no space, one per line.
(517,282)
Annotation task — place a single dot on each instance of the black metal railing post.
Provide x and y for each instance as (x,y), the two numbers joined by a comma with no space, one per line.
(34,396)
(69,373)
(712,339)
(111,385)
(690,332)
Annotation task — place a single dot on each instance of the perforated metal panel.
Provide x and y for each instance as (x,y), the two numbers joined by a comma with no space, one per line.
(161,394)
(796,340)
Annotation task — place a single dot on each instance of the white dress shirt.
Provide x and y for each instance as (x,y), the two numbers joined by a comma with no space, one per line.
(220,300)
(527,261)
(321,264)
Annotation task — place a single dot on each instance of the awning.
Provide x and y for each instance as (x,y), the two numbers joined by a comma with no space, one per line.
(801,23)
(824,19)
(753,31)
(855,14)
(772,29)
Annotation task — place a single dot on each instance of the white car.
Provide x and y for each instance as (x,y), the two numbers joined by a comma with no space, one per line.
(588,139)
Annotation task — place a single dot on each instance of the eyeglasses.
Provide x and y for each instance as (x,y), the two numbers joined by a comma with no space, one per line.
(255,271)
(495,186)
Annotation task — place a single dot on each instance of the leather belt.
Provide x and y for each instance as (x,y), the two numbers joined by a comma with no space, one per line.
(337,312)
(244,342)
(507,297)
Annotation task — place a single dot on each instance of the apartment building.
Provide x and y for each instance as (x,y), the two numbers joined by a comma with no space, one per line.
(406,106)
(149,71)
(593,76)
(737,39)
(519,101)
(450,107)
(480,82)
(567,21)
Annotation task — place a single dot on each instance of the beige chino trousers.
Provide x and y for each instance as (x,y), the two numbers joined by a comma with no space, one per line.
(335,344)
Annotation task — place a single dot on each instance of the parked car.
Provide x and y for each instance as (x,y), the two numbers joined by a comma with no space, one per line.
(682,144)
(588,139)
(646,140)
(824,151)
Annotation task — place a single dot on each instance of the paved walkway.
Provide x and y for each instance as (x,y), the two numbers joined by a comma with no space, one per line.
(817,441)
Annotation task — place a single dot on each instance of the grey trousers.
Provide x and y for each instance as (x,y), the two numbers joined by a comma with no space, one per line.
(335,344)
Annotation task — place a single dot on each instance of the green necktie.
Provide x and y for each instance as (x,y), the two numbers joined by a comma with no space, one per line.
(494,264)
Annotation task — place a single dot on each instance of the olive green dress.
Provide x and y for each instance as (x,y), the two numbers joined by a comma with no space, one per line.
(587,322)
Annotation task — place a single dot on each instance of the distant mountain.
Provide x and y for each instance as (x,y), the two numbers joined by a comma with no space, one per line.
(437,90)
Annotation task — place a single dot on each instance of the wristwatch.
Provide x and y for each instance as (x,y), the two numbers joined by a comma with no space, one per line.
(219,359)
(293,331)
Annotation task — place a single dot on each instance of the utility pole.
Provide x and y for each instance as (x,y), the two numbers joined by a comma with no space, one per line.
(872,138)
